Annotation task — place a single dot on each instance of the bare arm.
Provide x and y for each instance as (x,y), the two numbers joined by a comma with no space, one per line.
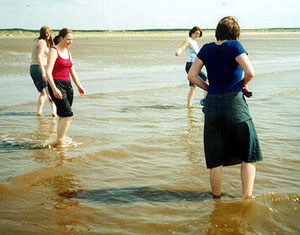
(249,72)
(76,79)
(50,64)
(40,53)
(183,47)
(193,75)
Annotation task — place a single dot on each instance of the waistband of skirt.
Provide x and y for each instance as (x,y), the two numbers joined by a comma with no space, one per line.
(228,95)
(225,96)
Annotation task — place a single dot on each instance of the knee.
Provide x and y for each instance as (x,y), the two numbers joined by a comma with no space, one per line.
(192,89)
(43,92)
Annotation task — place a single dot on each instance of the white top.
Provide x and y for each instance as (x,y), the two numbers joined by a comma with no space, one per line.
(192,50)
(39,46)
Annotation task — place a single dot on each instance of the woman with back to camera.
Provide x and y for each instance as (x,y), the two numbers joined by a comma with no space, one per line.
(40,50)
(191,45)
(229,134)
(59,67)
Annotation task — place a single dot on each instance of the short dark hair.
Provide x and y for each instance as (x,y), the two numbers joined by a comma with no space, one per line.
(228,29)
(194,29)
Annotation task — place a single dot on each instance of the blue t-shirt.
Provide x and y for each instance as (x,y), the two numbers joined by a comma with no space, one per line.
(223,72)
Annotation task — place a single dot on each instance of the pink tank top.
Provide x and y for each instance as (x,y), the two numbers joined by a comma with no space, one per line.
(61,69)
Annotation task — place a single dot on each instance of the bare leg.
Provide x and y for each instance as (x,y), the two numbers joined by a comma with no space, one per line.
(216,177)
(247,176)
(190,96)
(41,102)
(52,104)
(62,128)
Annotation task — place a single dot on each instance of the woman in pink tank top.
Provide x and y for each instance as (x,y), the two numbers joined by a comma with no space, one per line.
(59,68)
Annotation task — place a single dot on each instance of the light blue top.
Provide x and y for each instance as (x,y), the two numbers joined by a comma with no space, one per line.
(192,50)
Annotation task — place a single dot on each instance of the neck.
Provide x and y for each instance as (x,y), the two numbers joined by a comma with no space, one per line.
(220,41)
(61,47)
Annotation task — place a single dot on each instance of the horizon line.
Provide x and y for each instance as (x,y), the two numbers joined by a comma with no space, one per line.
(142,30)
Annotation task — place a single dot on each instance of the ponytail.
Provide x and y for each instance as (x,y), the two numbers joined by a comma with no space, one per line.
(56,40)
(62,33)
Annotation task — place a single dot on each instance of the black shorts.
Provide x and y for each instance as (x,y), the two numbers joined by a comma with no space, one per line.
(188,65)
(64,105)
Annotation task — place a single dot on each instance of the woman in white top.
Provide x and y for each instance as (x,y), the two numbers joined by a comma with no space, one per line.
(190,44)
(39,56)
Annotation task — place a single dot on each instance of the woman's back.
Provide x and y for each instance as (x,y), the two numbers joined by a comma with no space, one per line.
(224,73)
(35,50)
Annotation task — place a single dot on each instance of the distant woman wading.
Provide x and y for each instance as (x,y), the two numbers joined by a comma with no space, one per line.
(59,68)
(40,50)
(191,46)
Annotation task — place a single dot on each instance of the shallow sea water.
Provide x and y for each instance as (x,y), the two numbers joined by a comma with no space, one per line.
(135,160)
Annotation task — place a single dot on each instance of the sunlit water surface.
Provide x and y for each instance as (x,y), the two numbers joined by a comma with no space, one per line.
(134,161)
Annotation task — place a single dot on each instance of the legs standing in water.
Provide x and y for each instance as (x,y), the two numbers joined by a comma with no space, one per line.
(41,101)
(190,96)
(193,87)
(247,177)
(52,104)
(62,128)
(248,171)
(216,177)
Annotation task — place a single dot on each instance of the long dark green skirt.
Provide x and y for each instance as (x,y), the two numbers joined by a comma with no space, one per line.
(229,134)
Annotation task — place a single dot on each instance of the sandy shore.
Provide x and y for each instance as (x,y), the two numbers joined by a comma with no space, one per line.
(22,34)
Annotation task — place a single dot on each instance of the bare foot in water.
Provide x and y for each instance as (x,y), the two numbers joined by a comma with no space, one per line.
(71,194)
(59,144)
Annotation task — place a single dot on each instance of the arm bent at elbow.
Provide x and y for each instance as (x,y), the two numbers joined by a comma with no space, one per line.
(193,75)
(249,71)
(50,64)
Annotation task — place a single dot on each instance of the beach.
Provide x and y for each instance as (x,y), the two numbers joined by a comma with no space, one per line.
(135,160)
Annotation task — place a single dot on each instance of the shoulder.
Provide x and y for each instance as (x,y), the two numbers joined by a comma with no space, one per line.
(42,42)
(53,51)
(234,43)
(186,41)
(237,46)
(208,45)
(205,51)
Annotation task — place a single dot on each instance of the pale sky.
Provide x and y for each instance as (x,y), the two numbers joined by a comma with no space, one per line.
(147,14)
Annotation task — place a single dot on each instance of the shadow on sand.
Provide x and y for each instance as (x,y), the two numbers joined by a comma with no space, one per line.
(138,194)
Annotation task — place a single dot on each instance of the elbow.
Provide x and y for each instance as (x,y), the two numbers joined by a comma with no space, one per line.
(190,77)
(48,73)
(250,74)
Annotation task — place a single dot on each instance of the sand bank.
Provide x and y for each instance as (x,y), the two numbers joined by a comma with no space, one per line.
(151,33)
